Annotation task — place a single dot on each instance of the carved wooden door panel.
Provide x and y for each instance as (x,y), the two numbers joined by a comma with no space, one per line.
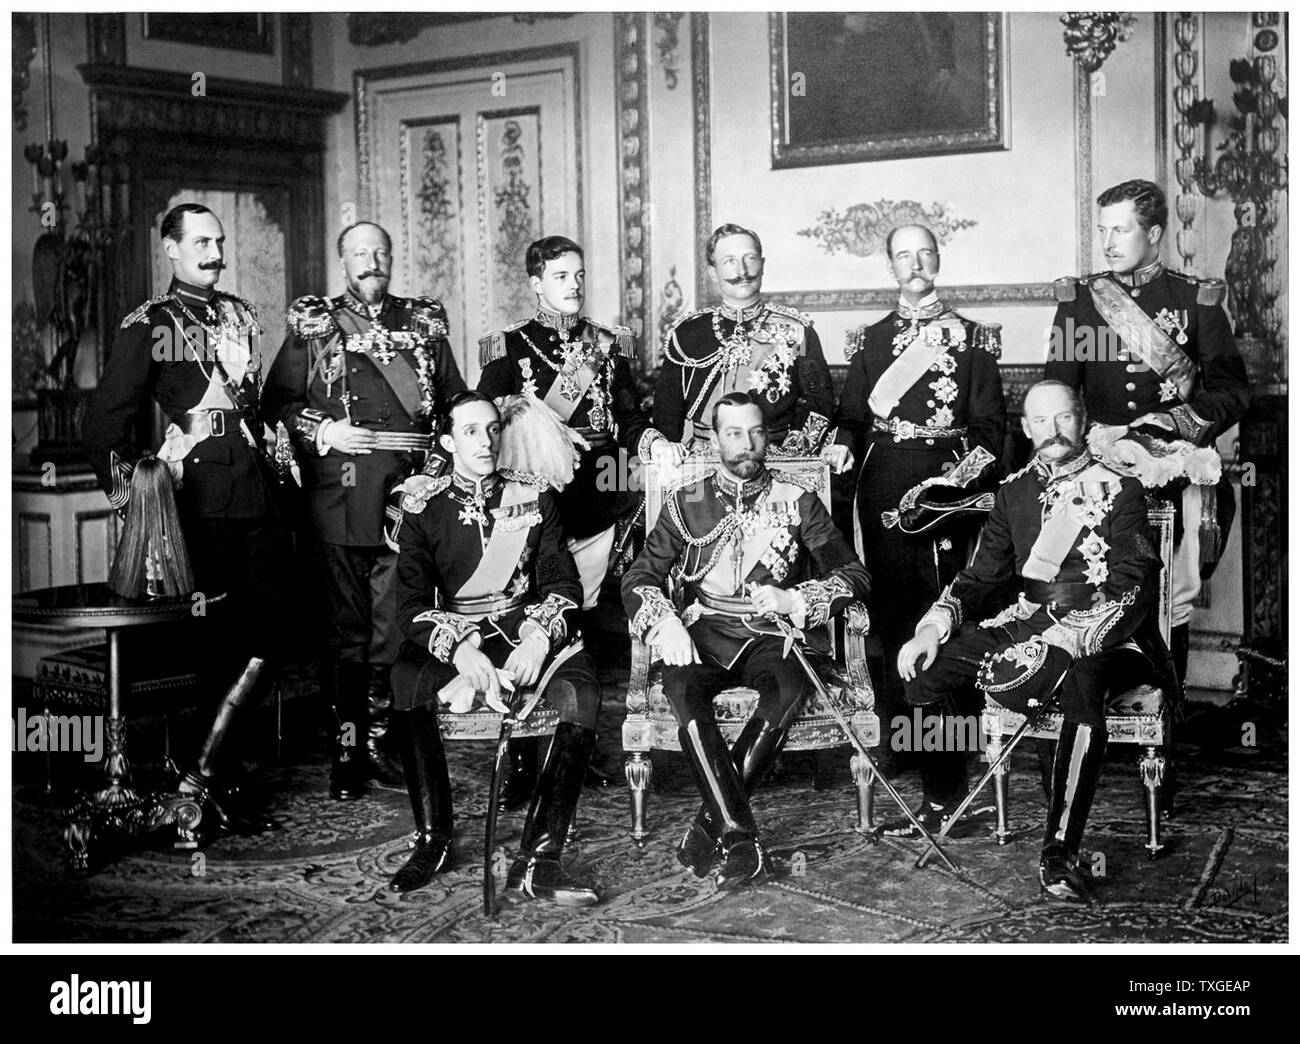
(465,165)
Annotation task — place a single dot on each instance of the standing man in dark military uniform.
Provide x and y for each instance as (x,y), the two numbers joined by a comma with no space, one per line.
(1071,536)
(196,352)
(923,392)
(751,345)
(1153,353)
(745,542)
(357,383)
(486,592)
(580,368)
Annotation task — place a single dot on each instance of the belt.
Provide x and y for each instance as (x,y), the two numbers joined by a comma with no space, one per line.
(903,430)
(410,441)
(213,424)
(487,605)
(1060,593)
(734,605)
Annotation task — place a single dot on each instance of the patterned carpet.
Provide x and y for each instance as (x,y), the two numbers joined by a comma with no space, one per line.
(323,877)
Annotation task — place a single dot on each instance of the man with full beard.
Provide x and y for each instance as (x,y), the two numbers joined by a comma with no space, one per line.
(746,542)
(357,383)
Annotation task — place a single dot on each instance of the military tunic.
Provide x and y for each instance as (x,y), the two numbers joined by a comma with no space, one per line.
(770,351)
(552,357)
(905,422)
(449,528)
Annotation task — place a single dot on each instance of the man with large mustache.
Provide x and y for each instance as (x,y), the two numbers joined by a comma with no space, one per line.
(751,345)
(195,351)
(358,383)
(1070,536)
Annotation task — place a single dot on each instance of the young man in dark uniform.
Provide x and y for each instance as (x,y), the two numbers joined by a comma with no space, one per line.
(358,383)
(196,352)
(487,588)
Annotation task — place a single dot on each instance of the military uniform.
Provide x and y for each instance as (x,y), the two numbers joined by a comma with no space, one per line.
(1062,586)
(768,350)
(485,561)
(1157,341)
(196,352)
(720,538)
(580,368)
(388,369)
(923,389)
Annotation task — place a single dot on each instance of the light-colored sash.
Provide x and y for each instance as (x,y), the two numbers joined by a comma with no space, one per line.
(902,374)
(1140,334)
(735,380)
(504,547)
(1061,530)
(562,404)
(721,579)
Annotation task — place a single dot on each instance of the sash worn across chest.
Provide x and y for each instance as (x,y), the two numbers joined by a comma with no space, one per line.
(779,511)
(723,381)
(902,374)
(395,367)
(1141,335)
(1076,507)
(512,522)
(567,390)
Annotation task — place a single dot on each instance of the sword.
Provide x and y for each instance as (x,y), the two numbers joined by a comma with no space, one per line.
(792,645)
(518,707)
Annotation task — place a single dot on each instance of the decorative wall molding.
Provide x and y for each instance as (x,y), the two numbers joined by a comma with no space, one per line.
(1091,36)
(861,230)
(667,32)
(106,39)
(1160,61)
(1186,92)
(24,48)
(631,91)
(700,57)
(672,304)
(295,47)
(379,30)
(876,298)
(1083,166)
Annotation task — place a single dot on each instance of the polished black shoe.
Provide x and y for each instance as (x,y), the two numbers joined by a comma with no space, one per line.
(1060,880)
(698,849)
(542,876)
(744,862)
(432,856)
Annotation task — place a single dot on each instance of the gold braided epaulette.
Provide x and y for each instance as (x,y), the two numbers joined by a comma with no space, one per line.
(414,502)
(624,344)
(310,318)
(791,313)
(142,313)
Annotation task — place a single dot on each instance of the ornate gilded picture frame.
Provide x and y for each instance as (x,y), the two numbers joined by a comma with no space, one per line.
(231,31)
(853,86)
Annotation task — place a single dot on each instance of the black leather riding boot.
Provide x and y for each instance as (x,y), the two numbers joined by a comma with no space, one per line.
(348,769)
(1180,643)
(522,780)
(754,753)
(384,768)
(724,793)
(538,873)
(1080,754)
(429,786)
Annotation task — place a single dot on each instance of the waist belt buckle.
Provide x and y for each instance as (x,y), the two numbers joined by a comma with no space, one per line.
(906,429)
(216,423)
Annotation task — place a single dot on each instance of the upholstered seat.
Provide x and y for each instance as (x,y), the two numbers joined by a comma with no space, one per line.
(1141,715)
(650,724)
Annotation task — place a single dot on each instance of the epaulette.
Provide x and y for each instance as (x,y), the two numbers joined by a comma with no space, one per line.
(1066,288)
(685,317)
(1209,292)
(142,313)
(430,317)
(985,335)
(855,341)
(310,318)
(429,304)
(526,478)
(413,503)
(493,345)
(247,305)
(808,483)
(624,344)
(791,313)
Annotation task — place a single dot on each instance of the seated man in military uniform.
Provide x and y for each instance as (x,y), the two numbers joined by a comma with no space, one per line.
(1072,536)
(486,589)
(745,543)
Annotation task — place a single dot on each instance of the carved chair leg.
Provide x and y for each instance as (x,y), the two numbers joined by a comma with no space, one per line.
(1000,777)
(865,779)
(638,767)
(1151,768)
